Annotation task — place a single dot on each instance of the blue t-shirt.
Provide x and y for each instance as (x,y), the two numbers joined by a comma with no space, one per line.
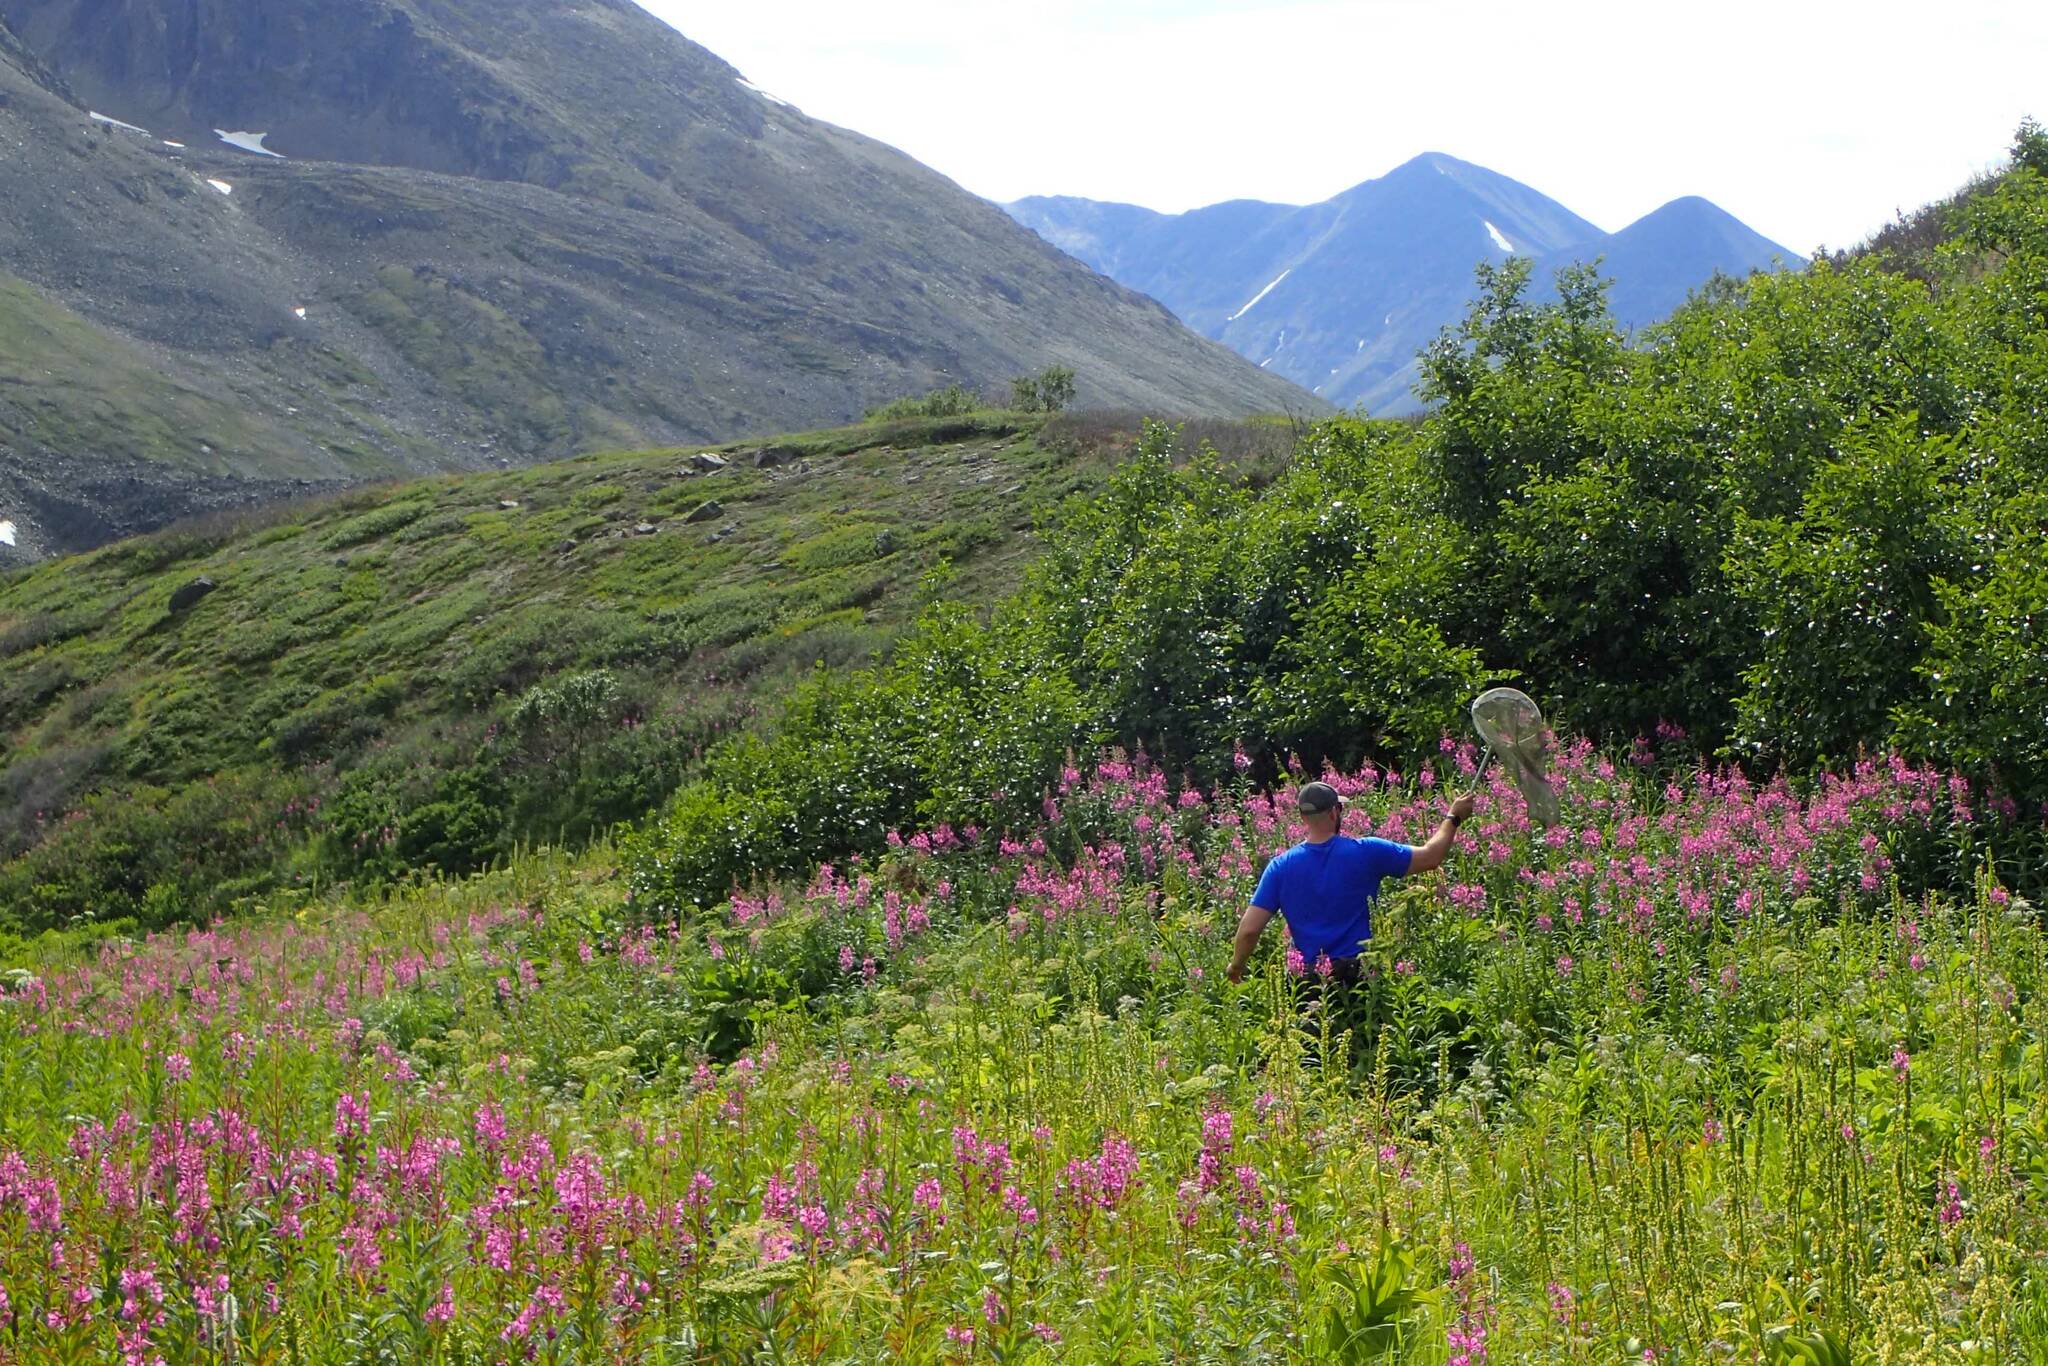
(1325,891)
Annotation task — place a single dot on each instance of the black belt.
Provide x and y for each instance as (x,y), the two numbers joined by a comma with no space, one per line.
(1345,970)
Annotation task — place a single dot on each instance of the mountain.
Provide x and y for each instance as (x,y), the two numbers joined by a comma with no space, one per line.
(1661,257)
(1340,296)
(248,249)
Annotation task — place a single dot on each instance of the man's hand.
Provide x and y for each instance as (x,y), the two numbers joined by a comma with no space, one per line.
(1249,927)
(1461,809)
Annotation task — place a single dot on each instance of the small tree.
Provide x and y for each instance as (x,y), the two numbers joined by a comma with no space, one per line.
(2030,146)
(1056,388)
(1048,391)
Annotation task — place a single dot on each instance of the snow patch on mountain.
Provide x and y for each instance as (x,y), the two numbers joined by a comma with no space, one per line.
(6,533)
(1258,296)
(113,122)
(1498,239)
(247,142)
(746,84)
(222,186)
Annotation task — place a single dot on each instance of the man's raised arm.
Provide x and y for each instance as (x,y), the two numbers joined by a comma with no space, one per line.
(1429,857)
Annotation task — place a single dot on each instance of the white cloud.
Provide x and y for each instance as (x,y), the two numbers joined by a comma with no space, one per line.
(1811,127)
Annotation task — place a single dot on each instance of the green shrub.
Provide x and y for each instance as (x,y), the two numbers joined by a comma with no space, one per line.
(952,401)
(1051,390)
(849,545)
(338,723)
(375,525)
(158,856)
(39,629)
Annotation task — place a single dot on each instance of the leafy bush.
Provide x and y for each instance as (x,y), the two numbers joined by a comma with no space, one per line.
(1051,390)
(39,629)
(952,401)
(375,524)
(157,857)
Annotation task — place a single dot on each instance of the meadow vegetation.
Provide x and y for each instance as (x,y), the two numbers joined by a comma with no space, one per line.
(1703,1074)
(899,1029)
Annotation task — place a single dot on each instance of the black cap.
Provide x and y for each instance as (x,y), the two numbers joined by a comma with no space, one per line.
(1317,798)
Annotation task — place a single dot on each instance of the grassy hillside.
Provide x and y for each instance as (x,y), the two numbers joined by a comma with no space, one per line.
(384,670)
(97,395)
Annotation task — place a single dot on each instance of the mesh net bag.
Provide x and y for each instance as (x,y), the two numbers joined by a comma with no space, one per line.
(1511,724)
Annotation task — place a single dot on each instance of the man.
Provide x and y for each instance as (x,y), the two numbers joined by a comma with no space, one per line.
(1325,885)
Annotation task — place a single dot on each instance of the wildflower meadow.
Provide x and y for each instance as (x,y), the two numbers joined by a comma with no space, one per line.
(1714,1071)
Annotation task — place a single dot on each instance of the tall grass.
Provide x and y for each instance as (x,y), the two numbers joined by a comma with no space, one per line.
(1714,1071)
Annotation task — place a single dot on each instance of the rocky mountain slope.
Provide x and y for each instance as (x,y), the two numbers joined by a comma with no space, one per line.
(246,249)
(1340,296)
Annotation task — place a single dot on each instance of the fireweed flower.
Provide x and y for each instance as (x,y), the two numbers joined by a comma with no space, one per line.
(351,1116)
(1466,1336)
(414,1143)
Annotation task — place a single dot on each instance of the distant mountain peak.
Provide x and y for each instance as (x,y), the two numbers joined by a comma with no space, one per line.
(1340,296)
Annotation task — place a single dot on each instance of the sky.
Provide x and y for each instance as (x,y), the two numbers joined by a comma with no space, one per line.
(1815,124)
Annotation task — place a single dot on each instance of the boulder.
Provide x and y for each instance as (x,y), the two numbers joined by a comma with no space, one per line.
(188,596)
(645,529)
(769,457)
(709,463)
(704,512)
